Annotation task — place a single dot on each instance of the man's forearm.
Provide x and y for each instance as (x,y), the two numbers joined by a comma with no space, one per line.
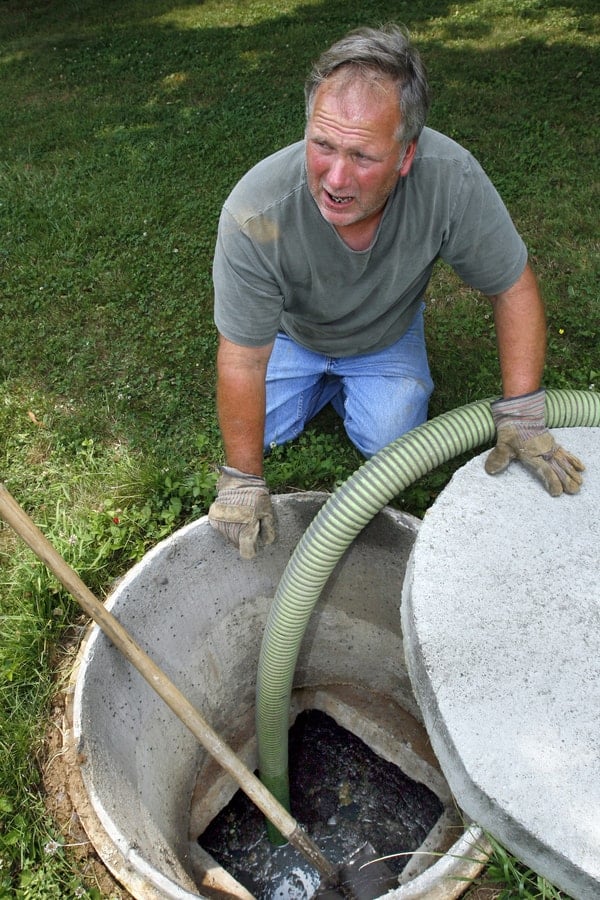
(242,423)
(241,405)
(521,334)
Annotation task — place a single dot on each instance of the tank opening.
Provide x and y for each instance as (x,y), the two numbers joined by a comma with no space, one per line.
(343,794)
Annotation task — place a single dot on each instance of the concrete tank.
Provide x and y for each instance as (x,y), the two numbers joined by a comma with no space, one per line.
(145,789)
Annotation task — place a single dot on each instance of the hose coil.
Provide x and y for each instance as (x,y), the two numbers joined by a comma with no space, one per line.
(333,529)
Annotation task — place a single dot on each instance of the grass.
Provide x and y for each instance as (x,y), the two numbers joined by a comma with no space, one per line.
(511,880)
(125,124)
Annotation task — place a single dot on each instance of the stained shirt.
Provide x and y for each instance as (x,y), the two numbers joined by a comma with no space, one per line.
(280,266)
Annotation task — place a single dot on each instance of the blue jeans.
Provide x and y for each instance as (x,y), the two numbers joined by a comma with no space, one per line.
(378,395)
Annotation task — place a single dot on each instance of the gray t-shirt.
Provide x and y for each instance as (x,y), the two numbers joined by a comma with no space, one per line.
(280,266)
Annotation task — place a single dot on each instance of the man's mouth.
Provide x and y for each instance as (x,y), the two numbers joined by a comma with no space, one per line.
(338,199)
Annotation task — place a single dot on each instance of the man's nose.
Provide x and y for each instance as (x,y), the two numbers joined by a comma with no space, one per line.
(338,172)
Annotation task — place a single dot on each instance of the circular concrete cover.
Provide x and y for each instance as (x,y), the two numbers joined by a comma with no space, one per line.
(501,621)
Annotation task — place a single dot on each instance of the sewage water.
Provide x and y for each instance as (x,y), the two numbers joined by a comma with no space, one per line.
(343,794)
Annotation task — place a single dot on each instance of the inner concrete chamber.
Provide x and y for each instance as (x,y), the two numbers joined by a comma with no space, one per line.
(142,785)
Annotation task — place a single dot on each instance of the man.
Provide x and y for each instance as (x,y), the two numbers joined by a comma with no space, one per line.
(323,256)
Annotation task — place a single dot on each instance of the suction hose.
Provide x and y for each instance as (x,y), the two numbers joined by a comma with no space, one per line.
(332,531)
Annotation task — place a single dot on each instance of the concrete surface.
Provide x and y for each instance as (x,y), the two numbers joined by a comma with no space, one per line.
(501,622)
(142,786)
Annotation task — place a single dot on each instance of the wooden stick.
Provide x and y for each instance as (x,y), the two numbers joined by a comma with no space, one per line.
(277,814)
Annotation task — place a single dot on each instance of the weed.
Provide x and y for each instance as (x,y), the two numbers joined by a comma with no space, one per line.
(515,880)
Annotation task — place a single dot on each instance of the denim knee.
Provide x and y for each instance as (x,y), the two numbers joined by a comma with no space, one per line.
(386,423)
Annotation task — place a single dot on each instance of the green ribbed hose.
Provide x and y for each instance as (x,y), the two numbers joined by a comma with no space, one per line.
(340,520)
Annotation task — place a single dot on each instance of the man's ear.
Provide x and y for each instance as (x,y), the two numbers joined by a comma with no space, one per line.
(409,156)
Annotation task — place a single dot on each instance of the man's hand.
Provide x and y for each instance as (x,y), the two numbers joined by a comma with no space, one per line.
(242,511)
(521,434)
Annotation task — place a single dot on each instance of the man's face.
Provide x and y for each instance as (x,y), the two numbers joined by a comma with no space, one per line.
(353,155)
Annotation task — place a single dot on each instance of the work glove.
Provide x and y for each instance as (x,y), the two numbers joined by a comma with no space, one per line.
(242,511)
(521,434)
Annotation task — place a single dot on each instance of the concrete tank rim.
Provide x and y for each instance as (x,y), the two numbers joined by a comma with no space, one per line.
(108,841)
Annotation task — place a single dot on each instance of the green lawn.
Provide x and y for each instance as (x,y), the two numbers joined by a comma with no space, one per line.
(124,126)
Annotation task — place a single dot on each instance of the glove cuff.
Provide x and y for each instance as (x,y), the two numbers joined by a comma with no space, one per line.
(525,413)
(525,408)
(242,479)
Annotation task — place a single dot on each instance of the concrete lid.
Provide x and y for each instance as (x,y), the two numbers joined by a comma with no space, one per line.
(501,621)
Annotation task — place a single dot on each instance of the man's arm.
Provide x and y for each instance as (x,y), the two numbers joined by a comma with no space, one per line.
(521,335)
(241,373)
(519,416)
(242,509)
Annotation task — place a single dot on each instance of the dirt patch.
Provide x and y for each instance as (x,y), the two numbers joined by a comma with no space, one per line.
(481,892)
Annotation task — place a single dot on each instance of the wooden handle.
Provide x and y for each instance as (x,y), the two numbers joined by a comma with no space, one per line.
(277,814)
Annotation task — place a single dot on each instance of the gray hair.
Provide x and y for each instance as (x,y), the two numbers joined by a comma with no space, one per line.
(375,54)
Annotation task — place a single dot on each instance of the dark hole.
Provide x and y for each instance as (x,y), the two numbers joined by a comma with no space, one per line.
(342,794)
